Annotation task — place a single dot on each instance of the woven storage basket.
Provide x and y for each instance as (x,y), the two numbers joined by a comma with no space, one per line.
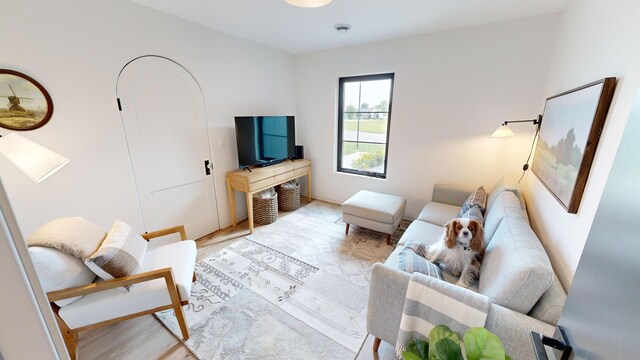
(289,198)
(265,211)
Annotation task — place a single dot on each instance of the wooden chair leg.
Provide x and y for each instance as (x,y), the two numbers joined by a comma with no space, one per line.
(388,239)
(347,230)
(376,344)
(194,277)
(70,337)
(177,307)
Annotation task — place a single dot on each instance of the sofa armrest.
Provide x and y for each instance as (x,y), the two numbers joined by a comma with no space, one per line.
(387,296)
(386,301)
(451,194)
(514,330)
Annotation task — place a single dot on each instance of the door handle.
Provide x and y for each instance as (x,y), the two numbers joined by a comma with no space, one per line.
(208,166)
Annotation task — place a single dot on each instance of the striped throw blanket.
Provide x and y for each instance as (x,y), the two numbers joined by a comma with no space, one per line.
(429,304)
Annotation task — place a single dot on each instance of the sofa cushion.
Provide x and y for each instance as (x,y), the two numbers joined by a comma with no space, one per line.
(506,203)
(72,235)
(58,271)
(507,183)
(516,270)
(421,231)
(477,198)
(438,214)
(551,303)
(110,304)
(451,194)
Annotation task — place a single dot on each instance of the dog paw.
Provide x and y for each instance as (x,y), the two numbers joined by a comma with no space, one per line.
(463,284)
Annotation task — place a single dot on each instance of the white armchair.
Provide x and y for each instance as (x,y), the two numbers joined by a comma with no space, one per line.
(163,282)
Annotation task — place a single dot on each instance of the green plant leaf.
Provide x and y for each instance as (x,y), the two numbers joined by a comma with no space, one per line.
(481,344)
(411,356)
(447,349)
(438,333)
(419,348)
(507,357)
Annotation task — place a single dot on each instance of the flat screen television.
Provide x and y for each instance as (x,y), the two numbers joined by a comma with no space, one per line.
(265,140)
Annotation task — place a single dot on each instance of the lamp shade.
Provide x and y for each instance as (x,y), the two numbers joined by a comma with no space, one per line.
(502,131)
(34,160)
(308,3)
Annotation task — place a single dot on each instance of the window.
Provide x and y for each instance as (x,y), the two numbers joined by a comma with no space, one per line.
(364,112)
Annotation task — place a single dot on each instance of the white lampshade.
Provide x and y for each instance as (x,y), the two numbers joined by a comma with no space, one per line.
(308,3)
(35,160)
(502,131)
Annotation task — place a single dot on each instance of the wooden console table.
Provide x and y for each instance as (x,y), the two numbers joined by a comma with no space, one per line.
(263,178)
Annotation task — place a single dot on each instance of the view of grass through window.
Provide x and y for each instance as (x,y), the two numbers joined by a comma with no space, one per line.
(364,115)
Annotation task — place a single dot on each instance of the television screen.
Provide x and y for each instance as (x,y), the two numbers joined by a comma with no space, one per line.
(265,140)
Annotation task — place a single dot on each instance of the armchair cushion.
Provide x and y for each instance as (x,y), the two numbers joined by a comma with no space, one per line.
(57,271)
(110,304)
(120,254)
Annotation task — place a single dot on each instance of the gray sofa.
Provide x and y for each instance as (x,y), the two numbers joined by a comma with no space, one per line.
(516,274)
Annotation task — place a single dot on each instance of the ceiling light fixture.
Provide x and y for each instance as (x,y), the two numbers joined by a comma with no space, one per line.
(308,3)
(342,28)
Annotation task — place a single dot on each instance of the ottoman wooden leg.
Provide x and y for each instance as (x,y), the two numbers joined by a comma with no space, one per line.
(347,230)
(388,239)
(376,345)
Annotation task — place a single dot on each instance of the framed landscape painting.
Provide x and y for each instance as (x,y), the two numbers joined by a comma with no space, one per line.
(24,103)
(569,135)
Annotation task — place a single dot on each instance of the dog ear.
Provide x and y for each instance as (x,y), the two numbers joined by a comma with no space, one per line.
(451,233)
(477,242)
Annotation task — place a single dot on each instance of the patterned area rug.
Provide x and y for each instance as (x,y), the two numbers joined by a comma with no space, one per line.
(295,289)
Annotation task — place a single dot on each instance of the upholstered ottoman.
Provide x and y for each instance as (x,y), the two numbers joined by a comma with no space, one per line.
(375,211)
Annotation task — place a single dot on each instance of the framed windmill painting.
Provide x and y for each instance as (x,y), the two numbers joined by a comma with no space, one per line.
(24,103)
(569,135)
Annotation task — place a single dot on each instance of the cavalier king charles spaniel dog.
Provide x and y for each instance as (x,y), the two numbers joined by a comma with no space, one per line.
(460,250)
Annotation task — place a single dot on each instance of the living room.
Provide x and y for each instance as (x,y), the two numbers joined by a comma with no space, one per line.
(454,83)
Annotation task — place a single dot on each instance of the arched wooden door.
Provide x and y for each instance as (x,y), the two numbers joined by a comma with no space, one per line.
(163,114)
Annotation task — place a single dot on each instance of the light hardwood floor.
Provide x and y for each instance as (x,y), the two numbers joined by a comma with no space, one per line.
(146,338)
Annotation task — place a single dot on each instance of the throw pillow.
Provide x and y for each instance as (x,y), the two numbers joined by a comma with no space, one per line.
(410,262)
(120,254)
(412,258)
(57,270)
(72,235)
(476,198)
(474,214)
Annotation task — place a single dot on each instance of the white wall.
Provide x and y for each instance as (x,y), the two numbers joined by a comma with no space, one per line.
(75,49)
(596,39)
(452,89)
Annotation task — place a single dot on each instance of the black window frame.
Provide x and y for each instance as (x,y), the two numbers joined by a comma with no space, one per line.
(361,78)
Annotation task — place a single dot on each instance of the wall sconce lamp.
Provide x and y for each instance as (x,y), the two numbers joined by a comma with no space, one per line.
(36,161)
(504,130)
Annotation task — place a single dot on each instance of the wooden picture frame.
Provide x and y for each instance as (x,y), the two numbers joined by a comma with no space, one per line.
(569,136)
(28,106)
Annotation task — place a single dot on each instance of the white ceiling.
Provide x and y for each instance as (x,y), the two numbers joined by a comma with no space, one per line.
(298,30)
